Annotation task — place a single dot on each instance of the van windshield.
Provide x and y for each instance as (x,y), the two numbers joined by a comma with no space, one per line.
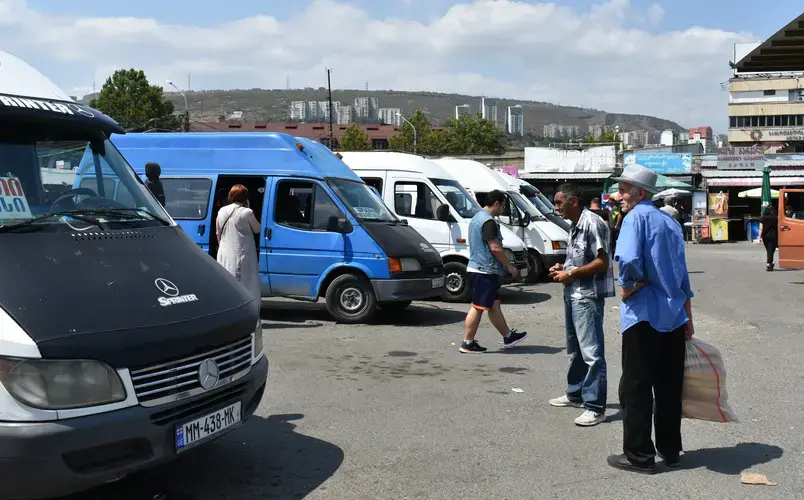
(57,178)
(524,205)
(539,200)
(361,201)
(458,197)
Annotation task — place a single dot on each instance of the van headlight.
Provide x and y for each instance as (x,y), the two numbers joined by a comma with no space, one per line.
(61,384)
(257,341)
(403,265)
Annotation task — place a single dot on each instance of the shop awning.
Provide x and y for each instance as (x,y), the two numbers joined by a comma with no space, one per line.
(574,176)
(663,182)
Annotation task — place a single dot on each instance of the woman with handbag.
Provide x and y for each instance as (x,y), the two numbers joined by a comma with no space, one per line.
(235,228)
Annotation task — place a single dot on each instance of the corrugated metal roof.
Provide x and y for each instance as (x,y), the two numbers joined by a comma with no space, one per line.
(566,175)
(776,182)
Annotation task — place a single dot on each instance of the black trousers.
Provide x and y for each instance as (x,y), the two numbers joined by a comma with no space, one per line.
(770,247)
(653,365)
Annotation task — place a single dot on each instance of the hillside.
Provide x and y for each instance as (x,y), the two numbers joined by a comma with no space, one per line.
(272,105)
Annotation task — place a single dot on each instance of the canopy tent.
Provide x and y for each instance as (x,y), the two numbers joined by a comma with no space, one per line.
(671,193)
(662,182)
(757,193)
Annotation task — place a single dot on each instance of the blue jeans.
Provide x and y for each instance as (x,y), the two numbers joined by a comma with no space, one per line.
(586,378)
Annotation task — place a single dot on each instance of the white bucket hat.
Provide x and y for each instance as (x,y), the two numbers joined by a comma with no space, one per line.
(639,176)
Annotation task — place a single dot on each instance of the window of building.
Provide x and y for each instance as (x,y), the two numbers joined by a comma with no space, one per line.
(769,92)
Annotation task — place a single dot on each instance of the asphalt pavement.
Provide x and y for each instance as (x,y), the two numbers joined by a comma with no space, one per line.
(392,410)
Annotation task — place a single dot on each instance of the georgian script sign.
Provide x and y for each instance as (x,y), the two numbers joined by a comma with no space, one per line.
(750,158)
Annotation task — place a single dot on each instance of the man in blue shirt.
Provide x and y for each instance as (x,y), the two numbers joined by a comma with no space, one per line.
(656,318)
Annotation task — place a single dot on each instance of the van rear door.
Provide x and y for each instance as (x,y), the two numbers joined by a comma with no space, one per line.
(791,229)
(189,202)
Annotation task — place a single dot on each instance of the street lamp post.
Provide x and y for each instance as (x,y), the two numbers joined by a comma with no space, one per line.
(411,126)
(186,123)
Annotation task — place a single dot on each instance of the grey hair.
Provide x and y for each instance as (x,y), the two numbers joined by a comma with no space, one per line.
(570,191)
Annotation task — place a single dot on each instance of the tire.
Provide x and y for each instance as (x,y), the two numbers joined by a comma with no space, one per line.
(393,307)
(535,268)
(456,282)
(350,299)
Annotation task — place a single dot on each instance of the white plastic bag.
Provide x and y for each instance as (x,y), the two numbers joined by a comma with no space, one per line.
(704,396)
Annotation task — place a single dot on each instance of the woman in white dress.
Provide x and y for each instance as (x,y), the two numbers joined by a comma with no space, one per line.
(235,227)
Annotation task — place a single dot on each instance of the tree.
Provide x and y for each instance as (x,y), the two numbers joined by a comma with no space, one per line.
(472,135)
(128,98)
(354,139)
(403,140)
(608,135)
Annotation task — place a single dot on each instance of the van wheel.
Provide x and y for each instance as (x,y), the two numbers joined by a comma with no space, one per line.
(350,299)
(395,306)
(535,268)
(456,283)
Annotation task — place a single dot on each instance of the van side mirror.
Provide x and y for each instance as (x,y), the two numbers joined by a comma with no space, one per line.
(339,225)
(442,213)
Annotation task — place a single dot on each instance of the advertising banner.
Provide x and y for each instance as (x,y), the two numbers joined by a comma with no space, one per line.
(719,204)
(719,229)
(662,163)
(600,159)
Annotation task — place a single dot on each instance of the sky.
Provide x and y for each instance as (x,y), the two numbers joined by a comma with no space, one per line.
(656,57)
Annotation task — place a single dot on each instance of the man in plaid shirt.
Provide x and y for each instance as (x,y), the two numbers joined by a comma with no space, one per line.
(588,279)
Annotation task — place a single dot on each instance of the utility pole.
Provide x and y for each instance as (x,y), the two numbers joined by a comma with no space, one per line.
(329,87)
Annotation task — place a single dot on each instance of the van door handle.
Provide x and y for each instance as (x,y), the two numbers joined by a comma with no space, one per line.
(784,228)
(202,228)
(267,233)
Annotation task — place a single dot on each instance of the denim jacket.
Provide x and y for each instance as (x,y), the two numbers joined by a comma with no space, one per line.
(480,255)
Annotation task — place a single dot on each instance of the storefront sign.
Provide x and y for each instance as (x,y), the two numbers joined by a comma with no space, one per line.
(662,163)
(594,159)
(785,134)
(751,158)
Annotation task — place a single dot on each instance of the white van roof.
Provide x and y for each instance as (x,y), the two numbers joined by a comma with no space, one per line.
(399,162)
(513,181)
(18,78)
(473,174)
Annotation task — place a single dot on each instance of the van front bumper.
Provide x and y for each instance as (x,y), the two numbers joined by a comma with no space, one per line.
(49,459)
(521,274)
(552,259)
(397,290)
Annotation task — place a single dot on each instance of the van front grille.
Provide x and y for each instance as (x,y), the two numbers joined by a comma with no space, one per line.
(520,256)
(176,380)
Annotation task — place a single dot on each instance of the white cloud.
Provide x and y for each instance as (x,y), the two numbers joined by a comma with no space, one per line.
(506,48)
(655,13)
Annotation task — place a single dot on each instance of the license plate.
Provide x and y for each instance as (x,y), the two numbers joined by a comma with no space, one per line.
(523,272)
(201,428)
(438,282)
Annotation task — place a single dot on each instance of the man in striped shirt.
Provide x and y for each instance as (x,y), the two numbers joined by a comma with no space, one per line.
(588,279)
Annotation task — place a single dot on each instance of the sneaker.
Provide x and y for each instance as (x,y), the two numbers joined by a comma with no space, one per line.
(513,339)
(472,347)
(590,418)
(564,401)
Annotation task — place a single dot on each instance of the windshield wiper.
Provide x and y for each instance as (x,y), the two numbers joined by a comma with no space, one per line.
(139,212)
(28,223)
(377,219)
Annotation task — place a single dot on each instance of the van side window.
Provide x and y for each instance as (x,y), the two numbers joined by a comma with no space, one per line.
(324,209)
(794,201)
(415,199)
(374,182)
(304,205)
(293,205)
(187,199)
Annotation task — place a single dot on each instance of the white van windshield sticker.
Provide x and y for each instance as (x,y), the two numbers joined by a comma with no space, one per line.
(39,104)
(13,204)
(172,293)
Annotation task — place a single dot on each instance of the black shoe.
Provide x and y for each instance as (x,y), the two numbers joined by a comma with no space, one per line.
(621,462)
(472,347)
(515,338)
(672,462)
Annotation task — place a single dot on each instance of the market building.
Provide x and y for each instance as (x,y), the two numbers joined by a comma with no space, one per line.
(766,93)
